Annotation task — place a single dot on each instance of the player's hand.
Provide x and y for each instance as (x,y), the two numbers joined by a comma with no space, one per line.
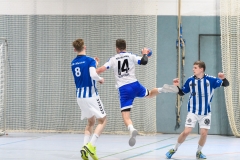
(221,75)
(145,50)
(176,82)
(101,81)
(97,60)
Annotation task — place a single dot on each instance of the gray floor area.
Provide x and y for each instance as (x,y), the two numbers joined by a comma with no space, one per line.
(62,146)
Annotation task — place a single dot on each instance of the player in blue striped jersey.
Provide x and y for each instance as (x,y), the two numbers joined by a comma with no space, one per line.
(86,77)
(123,64)
(201,88)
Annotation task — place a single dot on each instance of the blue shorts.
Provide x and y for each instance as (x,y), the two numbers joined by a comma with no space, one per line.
(128,92)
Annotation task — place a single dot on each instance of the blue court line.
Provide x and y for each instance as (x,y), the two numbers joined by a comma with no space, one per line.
(22,140)
(147,152)
(136,148)
(137,155)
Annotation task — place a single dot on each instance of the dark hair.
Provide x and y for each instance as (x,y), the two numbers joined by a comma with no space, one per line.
(200,64)
(121,44)
(78,44)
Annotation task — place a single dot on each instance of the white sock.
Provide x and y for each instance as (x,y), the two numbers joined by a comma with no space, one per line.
(176,146)
(130,128)
(94,139)
(159,90)
(86,139)
(199,148)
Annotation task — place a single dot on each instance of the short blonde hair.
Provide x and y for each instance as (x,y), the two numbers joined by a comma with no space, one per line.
(78,44)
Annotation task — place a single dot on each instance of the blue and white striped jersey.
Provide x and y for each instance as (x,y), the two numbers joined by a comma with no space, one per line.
(201,93)
(85,85)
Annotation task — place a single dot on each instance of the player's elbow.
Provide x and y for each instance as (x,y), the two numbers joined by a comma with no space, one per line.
(225,82)
(180,92)
(92,75)
(98,71)
(144,60)
(95,76)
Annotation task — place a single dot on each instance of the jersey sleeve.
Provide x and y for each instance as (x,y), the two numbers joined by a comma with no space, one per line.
(186,87)
(92,63)
(108,64)
(93,74)
(136,59)
(217,82)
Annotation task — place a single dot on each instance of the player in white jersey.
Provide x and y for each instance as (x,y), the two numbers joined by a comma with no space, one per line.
(85,76)
(201,88)
(123,65)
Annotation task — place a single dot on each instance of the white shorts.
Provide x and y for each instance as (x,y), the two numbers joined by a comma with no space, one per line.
(91,107)
(203,120)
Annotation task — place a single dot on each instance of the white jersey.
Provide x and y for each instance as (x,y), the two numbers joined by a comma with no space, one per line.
(123,65)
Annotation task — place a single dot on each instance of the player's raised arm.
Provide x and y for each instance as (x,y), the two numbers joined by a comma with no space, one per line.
(144,59)
(97,61)
(101,69)
(106,66)
(176,83)
(225,82)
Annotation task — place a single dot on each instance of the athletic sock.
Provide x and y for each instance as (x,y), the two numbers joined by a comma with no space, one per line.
(131,128)
(199,148)
(94,139)
(176,146)
(86,139)
(159,90)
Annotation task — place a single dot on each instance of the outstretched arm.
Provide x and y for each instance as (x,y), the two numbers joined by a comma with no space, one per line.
(176,83)
(97,60)
(144,59)
(222,77)
(101,69)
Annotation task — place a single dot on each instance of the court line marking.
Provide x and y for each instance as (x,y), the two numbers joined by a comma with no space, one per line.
(137,155)
(147,152)
(23,140)
(136,147)
(224,153)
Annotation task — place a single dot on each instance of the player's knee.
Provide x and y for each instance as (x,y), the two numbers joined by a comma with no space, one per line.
(149,94)
(91,122)
(102,120)
(186,133)
(204,133)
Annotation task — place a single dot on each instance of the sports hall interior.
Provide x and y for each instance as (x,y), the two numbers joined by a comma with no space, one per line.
(39,113)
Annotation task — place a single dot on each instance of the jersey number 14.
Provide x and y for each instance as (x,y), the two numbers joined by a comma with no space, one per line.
(123,67)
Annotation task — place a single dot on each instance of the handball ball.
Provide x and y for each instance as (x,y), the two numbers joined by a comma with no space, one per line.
(150,52)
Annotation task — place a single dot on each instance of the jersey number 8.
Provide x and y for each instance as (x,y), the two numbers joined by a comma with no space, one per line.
(77,72)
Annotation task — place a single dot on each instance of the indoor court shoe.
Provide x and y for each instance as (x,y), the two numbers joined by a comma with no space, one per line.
(199,155)
(132,140)
(170,88)
(84,154)
(170,153)
(91,150)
